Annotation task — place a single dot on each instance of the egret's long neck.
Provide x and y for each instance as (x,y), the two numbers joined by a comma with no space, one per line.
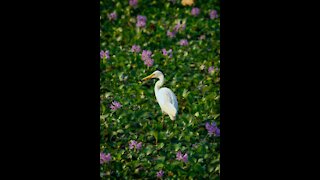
(159,83)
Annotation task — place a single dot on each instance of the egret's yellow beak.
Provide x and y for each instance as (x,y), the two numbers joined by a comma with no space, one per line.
(148,77)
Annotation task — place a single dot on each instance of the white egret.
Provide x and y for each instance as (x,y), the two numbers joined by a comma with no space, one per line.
(165,97)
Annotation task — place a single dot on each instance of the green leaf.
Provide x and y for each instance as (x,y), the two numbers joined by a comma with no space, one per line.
(103,116)
(127,126)
(200,160)
(216,116)
(120,131)
(155,135)
(129,156)
(211,168)
(160,146)
(148,150)
(159,166)
(136,171)
(161,158)
(119,156)
(187,138)
(177,146)
(217,168)
(103,109)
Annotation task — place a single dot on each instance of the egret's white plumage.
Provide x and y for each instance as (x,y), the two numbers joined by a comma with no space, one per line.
(165,97)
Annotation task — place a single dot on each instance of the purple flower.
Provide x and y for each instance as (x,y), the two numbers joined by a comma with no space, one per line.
(160,174)
(185,158)
(167,53)
(164,52)
(141,21)
(178,27)
(104,54)
(141,18)
(149,62)
(171,34)
(138,146)
(195,11)
(146,54)
(213,14)
(179,155)
(210,69)
(217,132)
(183,27)
(104,158)
(115,105)
(183,42)
(146,57)
(212,129)
(135,48)
(134,144)
(170,53)
(141,24)
(112,16)
(108,157)
(133,3)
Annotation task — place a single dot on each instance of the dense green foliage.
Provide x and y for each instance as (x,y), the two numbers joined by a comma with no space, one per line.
(186,74)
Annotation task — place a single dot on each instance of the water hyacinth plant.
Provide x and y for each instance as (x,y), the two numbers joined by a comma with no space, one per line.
(135,48)
(211,69)
(213,14)
(141,21)
(184,42)
(171,34)
(115,105)
(135,145)
(160,174)
(181,157)
(112,16)
(213,129)
(167,53)
(146,57)
(133,3)
(182,39)
(104,54)
(105,158)
(195,11)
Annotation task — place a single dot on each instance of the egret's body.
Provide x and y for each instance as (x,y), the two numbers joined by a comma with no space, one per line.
(165,97)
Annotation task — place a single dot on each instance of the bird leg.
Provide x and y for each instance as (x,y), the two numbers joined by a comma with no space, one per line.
(162,119)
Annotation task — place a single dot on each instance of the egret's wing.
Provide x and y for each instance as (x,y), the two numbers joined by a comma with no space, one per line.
(173,98)
(168,101)
(167,96)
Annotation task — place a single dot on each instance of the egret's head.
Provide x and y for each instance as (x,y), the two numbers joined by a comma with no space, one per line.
(156,74)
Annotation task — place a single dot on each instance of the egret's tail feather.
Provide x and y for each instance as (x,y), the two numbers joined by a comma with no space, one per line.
(171,111)
(172,117)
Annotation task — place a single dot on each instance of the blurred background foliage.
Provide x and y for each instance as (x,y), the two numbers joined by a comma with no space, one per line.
(186,74)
